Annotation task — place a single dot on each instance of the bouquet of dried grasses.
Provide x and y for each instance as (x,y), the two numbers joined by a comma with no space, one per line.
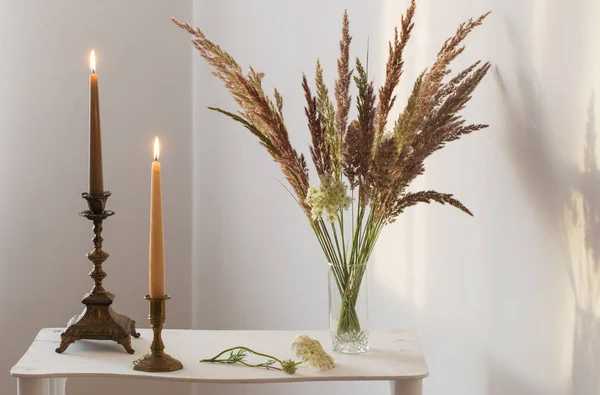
(364,167)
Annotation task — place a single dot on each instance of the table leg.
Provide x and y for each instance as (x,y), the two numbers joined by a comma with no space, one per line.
(407,387)
(41,386)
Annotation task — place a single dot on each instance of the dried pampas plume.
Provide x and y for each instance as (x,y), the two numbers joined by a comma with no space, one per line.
(379,163)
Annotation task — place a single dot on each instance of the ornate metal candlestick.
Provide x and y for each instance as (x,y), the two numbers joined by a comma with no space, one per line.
(98,321)
(156,360)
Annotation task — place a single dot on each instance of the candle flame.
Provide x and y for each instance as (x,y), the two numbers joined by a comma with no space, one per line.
(93,61)
(156,149)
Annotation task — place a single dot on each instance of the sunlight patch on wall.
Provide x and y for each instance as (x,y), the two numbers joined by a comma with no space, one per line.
(538,12)
(390,262)
(400,258)
(583,268)
(420,260)
(401,253)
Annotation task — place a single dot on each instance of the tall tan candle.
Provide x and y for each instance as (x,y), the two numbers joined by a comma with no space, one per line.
(157,252)
(96,181)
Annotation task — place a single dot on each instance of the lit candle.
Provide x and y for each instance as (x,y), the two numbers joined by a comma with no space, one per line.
(157,252)
(96,181)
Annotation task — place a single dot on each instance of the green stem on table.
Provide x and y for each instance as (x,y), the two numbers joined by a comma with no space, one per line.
(241,354)
(214,359)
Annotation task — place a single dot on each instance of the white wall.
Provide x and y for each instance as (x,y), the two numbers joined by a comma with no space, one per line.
(144,67)
(491,297)
(504,303)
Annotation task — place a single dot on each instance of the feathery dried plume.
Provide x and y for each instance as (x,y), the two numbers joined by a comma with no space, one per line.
(279,101)
(384,166)
(413,198)
(428,98)
(431,117)
(444,124)
(327,115)
(394,69)
(259,114)
(381,166)
(404,125)
(360,136)
(451,85)
(324,104)
(319,150)
(352,154)
(342,84)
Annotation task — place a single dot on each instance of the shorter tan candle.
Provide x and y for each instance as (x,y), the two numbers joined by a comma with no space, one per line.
(157,252)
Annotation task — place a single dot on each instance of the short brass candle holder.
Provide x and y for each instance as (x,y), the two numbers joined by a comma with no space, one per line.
(98,321)
(156,360)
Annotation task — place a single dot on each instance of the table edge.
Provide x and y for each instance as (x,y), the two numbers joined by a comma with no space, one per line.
(274,380)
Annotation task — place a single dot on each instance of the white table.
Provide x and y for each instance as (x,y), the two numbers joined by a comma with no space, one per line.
(395,356)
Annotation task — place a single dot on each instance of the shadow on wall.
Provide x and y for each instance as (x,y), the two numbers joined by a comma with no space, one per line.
(567,198)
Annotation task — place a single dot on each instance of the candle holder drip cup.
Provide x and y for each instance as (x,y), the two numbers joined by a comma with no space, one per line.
(98,321)
(96,204)
(157,360)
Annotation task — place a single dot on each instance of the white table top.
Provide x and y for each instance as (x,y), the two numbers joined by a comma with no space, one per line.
(394,355)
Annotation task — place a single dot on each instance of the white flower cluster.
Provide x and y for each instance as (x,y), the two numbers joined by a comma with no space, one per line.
(311,352)
(328,198)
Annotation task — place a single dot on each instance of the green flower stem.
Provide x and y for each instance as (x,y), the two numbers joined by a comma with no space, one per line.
(332,258)
(356,233)
(350,272)
(340,217)
(261,365)
(348,259)
(327,238)
(322,241)
(341,258)
(240,355)
(214,359)
(267,365)
(352,211)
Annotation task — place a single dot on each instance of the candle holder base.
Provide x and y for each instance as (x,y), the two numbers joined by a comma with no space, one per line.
(152,362)
(157,360)
(99,321)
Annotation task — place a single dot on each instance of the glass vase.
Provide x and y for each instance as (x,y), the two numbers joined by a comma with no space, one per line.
(348,308)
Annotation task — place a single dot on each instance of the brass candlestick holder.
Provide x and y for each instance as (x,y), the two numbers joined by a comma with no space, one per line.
(156,360)
(98,321)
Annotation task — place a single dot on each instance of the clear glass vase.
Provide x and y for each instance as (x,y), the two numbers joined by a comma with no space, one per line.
(348,308)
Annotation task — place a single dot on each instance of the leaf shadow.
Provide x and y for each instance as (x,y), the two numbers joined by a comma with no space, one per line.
(566,197)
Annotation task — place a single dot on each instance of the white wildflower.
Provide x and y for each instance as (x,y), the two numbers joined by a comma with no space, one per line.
(311,352)
(328,198)
(313,198)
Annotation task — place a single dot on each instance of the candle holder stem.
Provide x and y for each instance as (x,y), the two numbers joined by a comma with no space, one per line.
(157,360)
(98,256)
(98,321)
